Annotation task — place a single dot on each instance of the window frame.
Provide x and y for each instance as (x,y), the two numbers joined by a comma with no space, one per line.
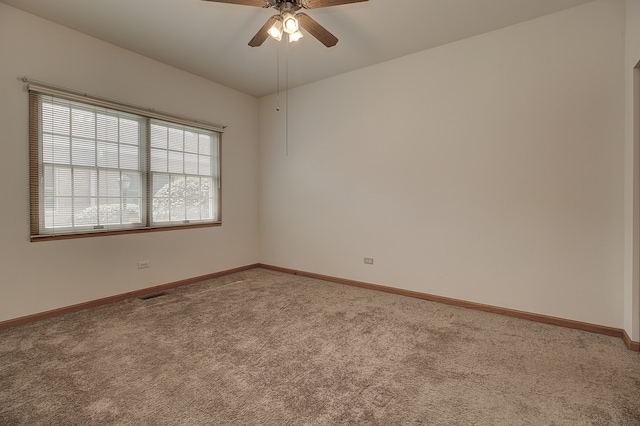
(148,116)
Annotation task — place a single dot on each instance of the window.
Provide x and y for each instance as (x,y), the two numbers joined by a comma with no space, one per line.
(97,168)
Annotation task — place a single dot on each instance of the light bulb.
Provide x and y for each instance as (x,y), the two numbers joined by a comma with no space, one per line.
(290,23)
(295,36)
(276,30)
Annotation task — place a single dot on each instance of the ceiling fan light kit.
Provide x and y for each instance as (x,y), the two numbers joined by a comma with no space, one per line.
(290,20)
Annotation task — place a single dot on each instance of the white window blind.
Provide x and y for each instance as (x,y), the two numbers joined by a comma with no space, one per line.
(184,170)
(99,169)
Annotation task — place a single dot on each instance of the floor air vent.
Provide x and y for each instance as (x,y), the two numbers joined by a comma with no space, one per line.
(153,295)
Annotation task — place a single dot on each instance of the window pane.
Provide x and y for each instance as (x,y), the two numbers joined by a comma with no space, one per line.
(129,131)
(192,187)
(55,118)
(110,210)
(161,191)
(191,164)
(129,157)
(158,136)
(176,161)
(193,209)
(108,155)
(132,184)
(49,205)
(85,211)
(63,183)
(177,210)
(176,137)
(160,185)
(83,123)
(205,144)
(159,160)
(131,210)
(191,142)
(83,152)
(84,183)
(204,165)
(107,127)
(206,188)
(177,187)
(109,183)
(61,216)
(206,209)
(161,214)
(56,149)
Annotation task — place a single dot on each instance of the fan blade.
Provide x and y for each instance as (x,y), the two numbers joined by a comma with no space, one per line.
(263,33)
(256,3)
(315,4)
(316,30)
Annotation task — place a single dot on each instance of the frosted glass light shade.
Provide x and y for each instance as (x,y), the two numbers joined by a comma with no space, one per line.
(290,23)
(295,36)
(276,30)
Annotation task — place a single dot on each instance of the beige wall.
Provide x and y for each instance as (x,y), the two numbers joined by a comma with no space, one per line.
(489,170)
(36,277)
(632,171)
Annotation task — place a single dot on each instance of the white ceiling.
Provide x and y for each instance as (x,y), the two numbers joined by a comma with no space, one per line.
(210,39)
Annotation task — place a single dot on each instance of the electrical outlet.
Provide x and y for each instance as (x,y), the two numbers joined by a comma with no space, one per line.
(368,260)
(143,264)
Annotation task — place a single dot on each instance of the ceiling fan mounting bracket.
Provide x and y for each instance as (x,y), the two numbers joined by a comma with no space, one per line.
(287,7)
(286,4)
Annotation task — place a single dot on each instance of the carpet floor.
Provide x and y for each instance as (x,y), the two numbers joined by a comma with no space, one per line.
(266,348)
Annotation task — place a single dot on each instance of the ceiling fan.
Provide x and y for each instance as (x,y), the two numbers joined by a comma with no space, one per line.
(289,20)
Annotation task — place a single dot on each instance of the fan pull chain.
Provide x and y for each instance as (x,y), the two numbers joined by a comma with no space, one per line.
(286,100)
(278,79)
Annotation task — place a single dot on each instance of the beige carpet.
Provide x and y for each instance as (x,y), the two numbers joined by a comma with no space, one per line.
(267,348)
